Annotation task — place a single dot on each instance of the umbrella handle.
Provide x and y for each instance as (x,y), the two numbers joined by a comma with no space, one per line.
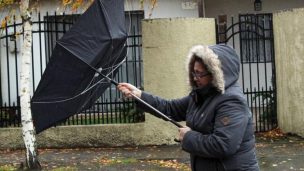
(113,82)
(177,140)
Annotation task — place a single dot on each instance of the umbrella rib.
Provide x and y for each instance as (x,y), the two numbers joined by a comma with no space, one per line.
(107,19)
(78,57)
(105,77)
(106,16)
(85,90)
(115,67)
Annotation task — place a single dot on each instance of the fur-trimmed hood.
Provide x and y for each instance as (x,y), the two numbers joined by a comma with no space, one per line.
(221,61)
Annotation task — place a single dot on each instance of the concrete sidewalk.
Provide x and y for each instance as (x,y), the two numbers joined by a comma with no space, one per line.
(123,158)
(283,153)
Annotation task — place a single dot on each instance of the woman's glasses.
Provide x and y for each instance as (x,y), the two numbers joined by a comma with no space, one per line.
(200,74)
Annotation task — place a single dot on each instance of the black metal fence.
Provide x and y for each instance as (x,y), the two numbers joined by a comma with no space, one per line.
(252,37)
(111,107)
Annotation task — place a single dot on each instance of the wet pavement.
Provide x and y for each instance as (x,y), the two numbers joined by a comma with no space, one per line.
(280,154)
(274,154)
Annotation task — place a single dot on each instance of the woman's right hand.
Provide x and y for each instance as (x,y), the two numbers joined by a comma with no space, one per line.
(127,89)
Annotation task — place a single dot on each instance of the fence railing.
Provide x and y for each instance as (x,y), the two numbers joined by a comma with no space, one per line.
(251,35)
(109,108)
(262,108)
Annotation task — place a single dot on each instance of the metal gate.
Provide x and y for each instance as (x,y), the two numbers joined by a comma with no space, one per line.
(252,37)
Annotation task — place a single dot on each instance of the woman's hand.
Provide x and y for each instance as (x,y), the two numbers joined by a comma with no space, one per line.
(127,89)
(182,131)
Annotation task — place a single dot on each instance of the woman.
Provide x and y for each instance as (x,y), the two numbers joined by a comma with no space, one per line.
(219,133)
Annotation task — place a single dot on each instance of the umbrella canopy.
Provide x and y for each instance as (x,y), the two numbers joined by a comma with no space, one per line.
(71,83)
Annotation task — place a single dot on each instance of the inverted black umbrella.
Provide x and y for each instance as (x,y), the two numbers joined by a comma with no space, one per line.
(70,83)
(82,65)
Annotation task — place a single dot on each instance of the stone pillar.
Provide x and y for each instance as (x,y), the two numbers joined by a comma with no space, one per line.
(166,43)
(289,56)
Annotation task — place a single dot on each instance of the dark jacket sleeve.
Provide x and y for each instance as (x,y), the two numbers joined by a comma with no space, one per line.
(231,118)
(175,109)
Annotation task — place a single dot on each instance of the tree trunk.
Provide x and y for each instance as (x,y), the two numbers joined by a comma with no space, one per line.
(28,131)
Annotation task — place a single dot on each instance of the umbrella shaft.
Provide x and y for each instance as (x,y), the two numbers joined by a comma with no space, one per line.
(113,82)
(157,111)
(143,102)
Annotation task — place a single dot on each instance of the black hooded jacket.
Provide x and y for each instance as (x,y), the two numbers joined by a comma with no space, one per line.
(222,136)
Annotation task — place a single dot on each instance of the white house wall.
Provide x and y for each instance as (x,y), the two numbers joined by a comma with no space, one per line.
(235,7)
(163,9)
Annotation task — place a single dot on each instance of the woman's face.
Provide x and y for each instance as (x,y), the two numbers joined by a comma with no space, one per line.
(200,75)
